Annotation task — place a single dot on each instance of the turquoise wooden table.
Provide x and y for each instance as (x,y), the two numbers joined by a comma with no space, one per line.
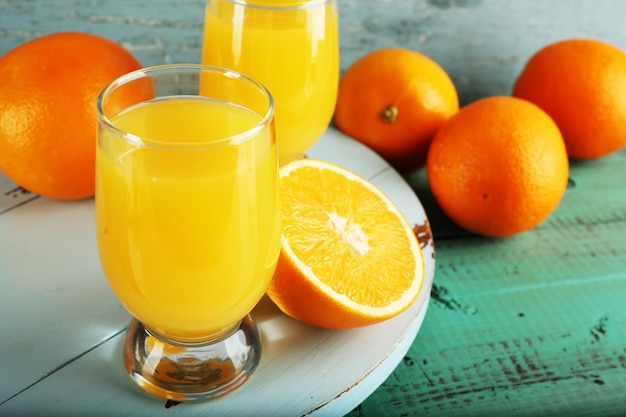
(530,325)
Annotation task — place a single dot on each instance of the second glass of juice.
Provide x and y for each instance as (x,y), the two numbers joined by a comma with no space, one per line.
(292,47)
(187,222)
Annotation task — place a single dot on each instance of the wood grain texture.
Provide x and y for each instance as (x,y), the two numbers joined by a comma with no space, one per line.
(69,326)
(530,325)
(483,44)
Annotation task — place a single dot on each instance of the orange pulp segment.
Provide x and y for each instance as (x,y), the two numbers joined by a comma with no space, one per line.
(349,257)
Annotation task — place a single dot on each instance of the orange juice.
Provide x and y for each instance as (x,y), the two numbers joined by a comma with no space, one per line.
(293,51)
(187,223)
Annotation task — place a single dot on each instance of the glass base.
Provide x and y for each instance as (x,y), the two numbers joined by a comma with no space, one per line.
(192,372)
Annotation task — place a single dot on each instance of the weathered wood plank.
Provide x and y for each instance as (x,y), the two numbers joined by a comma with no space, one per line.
(555,351)
(529,325)
(483,44)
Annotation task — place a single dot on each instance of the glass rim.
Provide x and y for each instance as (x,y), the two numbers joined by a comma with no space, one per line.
(146,72)
(285,6)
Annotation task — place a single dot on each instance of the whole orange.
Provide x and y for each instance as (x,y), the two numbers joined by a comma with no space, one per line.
(394,100)
(498,167)
(581,84)
(48,91)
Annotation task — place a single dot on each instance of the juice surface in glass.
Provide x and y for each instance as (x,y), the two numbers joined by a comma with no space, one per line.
(188,230)
(293,51)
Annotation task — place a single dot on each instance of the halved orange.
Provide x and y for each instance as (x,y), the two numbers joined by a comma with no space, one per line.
(349,257)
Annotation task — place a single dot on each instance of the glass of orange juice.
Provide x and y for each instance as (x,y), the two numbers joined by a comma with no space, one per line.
(187,220)
(292,47)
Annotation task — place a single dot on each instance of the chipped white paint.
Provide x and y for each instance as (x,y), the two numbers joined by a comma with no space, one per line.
(64,356)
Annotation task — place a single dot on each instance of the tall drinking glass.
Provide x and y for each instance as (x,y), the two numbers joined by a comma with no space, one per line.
(292,47)
(187,219)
